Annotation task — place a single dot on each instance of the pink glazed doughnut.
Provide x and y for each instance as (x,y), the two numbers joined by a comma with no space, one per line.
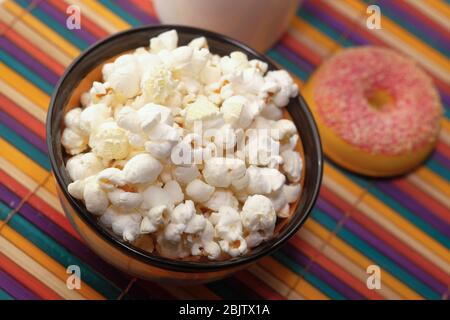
(378,113)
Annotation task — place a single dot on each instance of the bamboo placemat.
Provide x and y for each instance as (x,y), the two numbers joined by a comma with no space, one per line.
(402,225)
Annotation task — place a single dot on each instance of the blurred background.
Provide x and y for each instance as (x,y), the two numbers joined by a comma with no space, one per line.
(400,225)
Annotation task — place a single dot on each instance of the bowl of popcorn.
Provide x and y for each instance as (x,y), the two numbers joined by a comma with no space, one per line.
(181,155)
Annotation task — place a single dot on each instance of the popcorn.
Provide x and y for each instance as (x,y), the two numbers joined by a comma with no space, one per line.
(156,196)
(258,216)
(95,198)
(111,178)
(173,188)
(264,180)
(199,191)
(220,172)
(184,175)
(92,116)
(154,219)
(292,192)
(109,142)
(142,168)
(206,244)
(83,166)
(154,177)
(167,40)
(73,141)
(287,87)
(220,198)
(292,165)
(122,223)
(124,200)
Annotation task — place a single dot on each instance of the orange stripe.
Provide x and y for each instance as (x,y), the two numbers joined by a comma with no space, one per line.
(30,49)
(383,234)
(37,203)
(425,200)
(334,269)
(257,286)
(22,116)
(27,279)
(87,24)
(301,50)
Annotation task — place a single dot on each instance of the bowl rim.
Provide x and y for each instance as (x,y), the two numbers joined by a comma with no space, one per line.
(140,254)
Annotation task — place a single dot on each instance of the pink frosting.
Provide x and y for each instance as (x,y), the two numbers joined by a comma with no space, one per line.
(341,88)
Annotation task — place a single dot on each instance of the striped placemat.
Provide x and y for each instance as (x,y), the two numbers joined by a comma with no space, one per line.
(401,225)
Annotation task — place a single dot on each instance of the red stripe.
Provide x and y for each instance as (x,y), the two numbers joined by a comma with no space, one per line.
(426,20)
(27,279)
(301,50)
(146,6)
(87,24)
(37,53)
(22,116)
(321,5)
(38,203)
(334,269)
(424,199)
(384,235)
(257,286)
(443,148)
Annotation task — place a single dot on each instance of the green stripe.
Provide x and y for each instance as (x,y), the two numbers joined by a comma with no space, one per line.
(59,253)
(287,64)
(25,72)
(375,256)
(222,290)
(324,28)
(409,26)
(437,168)
(308,276)
(121,13)
(25,147)
(5,296)
(411,217)
(55,26)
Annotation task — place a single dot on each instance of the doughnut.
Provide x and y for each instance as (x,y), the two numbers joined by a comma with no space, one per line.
(378,113)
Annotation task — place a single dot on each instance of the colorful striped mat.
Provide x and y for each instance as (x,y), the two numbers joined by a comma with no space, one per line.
(402,225)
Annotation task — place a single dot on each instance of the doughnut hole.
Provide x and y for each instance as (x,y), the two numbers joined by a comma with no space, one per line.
(380,99)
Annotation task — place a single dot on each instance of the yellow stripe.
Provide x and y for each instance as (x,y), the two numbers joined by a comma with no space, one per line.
(93,15)
(291,279)
(31,185)
(440,6)
(108,15)
(38,271)
(22,101)
(338,258)
(41,28)
(392,222)
(417,235)
(434,180)
(360,260)
(306,29)
(40,257)
(34,38)
(425,7)
(421,49)
(26,165)
(270,280)
(23,86)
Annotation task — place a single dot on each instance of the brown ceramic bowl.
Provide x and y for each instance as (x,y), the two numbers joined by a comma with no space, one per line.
(78,78)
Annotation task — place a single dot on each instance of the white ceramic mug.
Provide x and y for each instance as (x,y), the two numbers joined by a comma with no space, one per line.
(257,23)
